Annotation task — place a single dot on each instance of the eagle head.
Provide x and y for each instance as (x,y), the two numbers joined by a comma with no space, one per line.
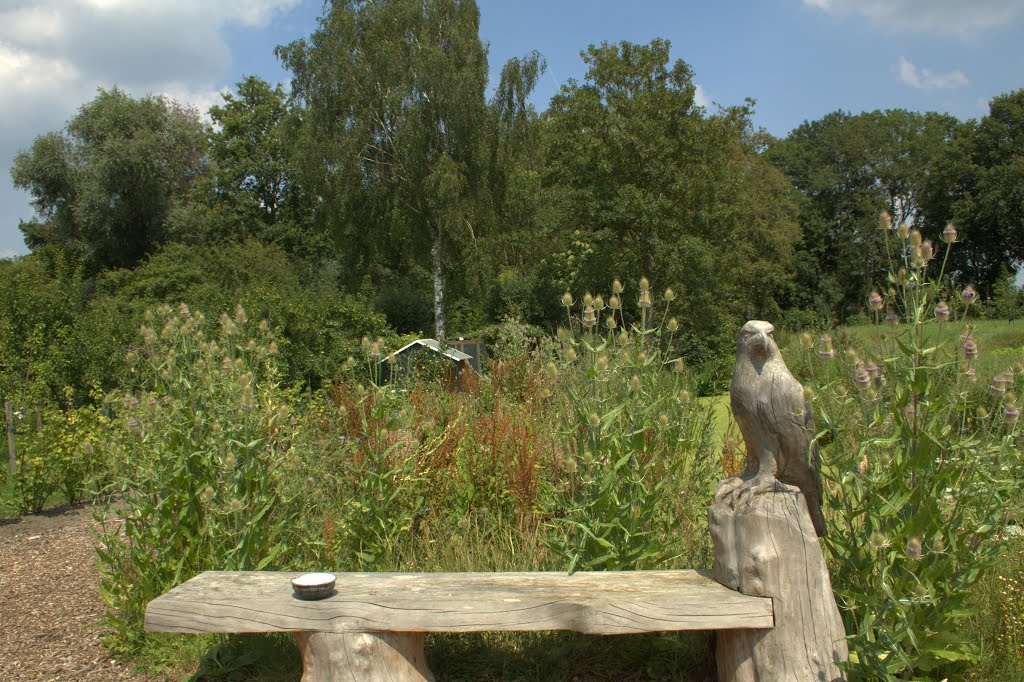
(755,340)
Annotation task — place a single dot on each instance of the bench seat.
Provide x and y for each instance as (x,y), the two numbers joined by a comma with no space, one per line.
(372,617)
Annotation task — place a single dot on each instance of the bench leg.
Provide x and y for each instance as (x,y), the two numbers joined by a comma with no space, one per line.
(363,657)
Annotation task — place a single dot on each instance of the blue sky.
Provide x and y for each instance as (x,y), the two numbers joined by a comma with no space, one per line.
(800,59)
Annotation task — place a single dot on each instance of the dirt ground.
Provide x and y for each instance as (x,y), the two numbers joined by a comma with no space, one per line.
(50,608)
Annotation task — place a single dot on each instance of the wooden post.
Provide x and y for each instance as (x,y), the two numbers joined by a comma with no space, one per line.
(12,451)
(766,546)
(363,657)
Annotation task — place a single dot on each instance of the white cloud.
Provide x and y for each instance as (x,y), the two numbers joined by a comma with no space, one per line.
(926,79)
(938,16)
(701,97)
(54,54)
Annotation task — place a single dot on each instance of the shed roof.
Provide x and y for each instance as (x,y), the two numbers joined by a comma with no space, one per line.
(434,345)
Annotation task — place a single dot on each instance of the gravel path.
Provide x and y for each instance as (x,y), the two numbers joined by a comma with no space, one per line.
(46,633)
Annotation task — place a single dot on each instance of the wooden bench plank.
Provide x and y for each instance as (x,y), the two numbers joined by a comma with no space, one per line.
(606,603)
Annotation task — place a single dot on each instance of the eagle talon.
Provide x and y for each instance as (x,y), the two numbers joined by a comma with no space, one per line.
(758,485)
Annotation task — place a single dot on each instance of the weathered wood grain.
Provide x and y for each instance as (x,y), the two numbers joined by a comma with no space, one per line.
(606,603)
(766,545)
(363,657)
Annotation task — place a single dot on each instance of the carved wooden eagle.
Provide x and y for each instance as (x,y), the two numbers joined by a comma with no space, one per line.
(776,422)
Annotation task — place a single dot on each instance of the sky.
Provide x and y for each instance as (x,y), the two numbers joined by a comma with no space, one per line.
(799,59)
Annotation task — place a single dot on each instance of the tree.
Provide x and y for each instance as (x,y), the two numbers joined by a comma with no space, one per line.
(392,130)
(978,184)
(850,169)
(103,188)
(251,190)
(647,184)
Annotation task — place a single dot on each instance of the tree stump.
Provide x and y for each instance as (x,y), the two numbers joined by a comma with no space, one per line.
(766,546)
(363,657)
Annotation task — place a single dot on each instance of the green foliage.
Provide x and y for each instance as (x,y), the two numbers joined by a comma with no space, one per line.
(922,471)
(645,182)
(634,439)
(198,446)
(103,190)
(317,327)
(976,184)
(849,168)
(60,452)
(406,156)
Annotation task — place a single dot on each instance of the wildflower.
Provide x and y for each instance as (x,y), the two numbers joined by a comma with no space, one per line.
(921,591)
(914,548)
(588,299)
(374,350)
(971,374)
(552,369)
(863,466)
(669,295)
(594,420)
(567,299)
(634,383)
(949,234)
(601,364)
(825,348)
(915,238)
(892,319)
(982,413)
(885,220)
(570,354)
(672,325)
(183,311)
(264,325)
(685,396)
(610,322)
(873,370)
(616,287)
(808,394)
(862,378)
(226,364)
(903,231)
(969,294)
(663,421)
(645,285)
(997,387)
(273,347)
(678,366)
(942,311)
(645,298)
(614,302)
(875,301)
(623,337)
(229,462)
(927,250)
(1008,378)
(589,316)
(598,303)
(970,349)
(1011,413)
(806,340)
(878,541)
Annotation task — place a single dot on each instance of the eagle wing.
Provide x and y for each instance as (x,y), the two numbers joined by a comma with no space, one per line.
(799,461)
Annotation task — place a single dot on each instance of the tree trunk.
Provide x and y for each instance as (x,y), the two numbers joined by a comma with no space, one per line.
(766,546)
(363,657)
(435,253)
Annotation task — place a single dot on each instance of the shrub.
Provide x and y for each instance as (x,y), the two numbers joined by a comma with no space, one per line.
(638,447)
(921,469)
(198,449)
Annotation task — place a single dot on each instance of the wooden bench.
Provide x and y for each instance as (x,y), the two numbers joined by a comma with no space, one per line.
(372,627)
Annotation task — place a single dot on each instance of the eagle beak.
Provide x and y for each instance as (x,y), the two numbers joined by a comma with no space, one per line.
(765,344)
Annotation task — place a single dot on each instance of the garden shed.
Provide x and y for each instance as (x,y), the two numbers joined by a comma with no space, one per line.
(427,357)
